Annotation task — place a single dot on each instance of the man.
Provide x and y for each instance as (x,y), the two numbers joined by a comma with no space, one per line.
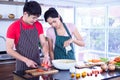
(25,34)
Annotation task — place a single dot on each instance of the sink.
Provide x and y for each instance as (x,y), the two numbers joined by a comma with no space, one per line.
(5,57)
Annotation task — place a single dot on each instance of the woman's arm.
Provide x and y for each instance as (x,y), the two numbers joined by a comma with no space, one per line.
(78,39)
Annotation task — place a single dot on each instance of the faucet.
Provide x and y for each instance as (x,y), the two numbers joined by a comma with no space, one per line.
(3,38)
(4,55)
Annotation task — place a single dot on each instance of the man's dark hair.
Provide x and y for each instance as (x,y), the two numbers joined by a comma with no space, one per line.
(32,8)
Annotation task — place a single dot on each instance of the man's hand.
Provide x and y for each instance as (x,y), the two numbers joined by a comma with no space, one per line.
(31,63)
(46,60)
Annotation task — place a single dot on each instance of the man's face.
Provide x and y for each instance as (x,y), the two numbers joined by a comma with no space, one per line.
(30,19)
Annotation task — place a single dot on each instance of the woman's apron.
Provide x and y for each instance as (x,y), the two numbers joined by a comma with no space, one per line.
(27,46)
(59,50)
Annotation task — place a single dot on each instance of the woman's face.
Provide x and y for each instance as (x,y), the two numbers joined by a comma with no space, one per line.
(55,22)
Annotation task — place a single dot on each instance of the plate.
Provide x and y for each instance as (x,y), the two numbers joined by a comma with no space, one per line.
(97,63)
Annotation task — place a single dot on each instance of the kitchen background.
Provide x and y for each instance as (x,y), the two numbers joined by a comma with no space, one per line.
(98,22)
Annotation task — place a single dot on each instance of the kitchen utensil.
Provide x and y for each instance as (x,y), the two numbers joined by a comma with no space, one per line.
(0,16)
(43,68)
(68,48)
(35,72)
(11,16)
(63,64)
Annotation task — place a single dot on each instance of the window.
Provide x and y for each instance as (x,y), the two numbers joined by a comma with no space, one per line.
(100,27)
(114,30)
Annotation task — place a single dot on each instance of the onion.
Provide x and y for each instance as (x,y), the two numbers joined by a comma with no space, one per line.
(111,67)
(104,67)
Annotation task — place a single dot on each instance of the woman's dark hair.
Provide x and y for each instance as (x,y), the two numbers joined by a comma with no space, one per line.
(51,12)
(32,8)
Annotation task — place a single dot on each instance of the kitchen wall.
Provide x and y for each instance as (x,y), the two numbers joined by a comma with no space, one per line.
(5,10)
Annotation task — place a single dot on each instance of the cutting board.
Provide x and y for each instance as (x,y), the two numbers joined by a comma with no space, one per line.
(35,72)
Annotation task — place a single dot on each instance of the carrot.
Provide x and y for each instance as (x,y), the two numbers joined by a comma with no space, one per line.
(96,60)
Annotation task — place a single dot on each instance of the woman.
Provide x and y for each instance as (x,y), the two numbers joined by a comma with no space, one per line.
(61,36)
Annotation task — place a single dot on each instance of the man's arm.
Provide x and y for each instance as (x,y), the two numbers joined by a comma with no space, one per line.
(45,48)
(50,42)
(12,52)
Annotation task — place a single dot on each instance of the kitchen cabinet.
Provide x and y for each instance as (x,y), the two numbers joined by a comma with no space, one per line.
(6,69)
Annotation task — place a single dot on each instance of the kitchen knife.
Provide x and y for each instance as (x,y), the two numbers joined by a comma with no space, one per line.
(43,68)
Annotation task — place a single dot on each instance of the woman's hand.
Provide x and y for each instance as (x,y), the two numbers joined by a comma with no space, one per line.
(67,43)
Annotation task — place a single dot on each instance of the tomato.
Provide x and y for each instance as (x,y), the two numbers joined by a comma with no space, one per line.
(88,74)
(39,70)
(91,74)
(117,59)
(72,75)
(101,71)
(77,75)
(45,65)
(96,75)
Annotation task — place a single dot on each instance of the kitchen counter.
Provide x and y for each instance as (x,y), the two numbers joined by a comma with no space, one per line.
(7,61)
(6,69)
(65,75)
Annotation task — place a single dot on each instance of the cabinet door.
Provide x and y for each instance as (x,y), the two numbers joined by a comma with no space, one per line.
(6,71)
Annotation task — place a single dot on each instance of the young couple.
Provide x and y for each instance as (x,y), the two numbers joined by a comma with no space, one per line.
(27,32)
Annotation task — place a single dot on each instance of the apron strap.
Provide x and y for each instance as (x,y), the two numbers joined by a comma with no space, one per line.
(65,29)
(22,27)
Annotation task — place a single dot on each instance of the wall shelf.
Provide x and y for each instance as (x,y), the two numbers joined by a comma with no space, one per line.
(7,19)
(12,2)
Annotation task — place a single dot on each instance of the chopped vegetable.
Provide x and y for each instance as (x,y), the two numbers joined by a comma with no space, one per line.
(45,65)
(117,64)
(40,70)
(94,60)
(104,59)
(117,59)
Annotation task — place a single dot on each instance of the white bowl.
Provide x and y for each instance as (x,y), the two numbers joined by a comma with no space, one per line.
(63,64)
